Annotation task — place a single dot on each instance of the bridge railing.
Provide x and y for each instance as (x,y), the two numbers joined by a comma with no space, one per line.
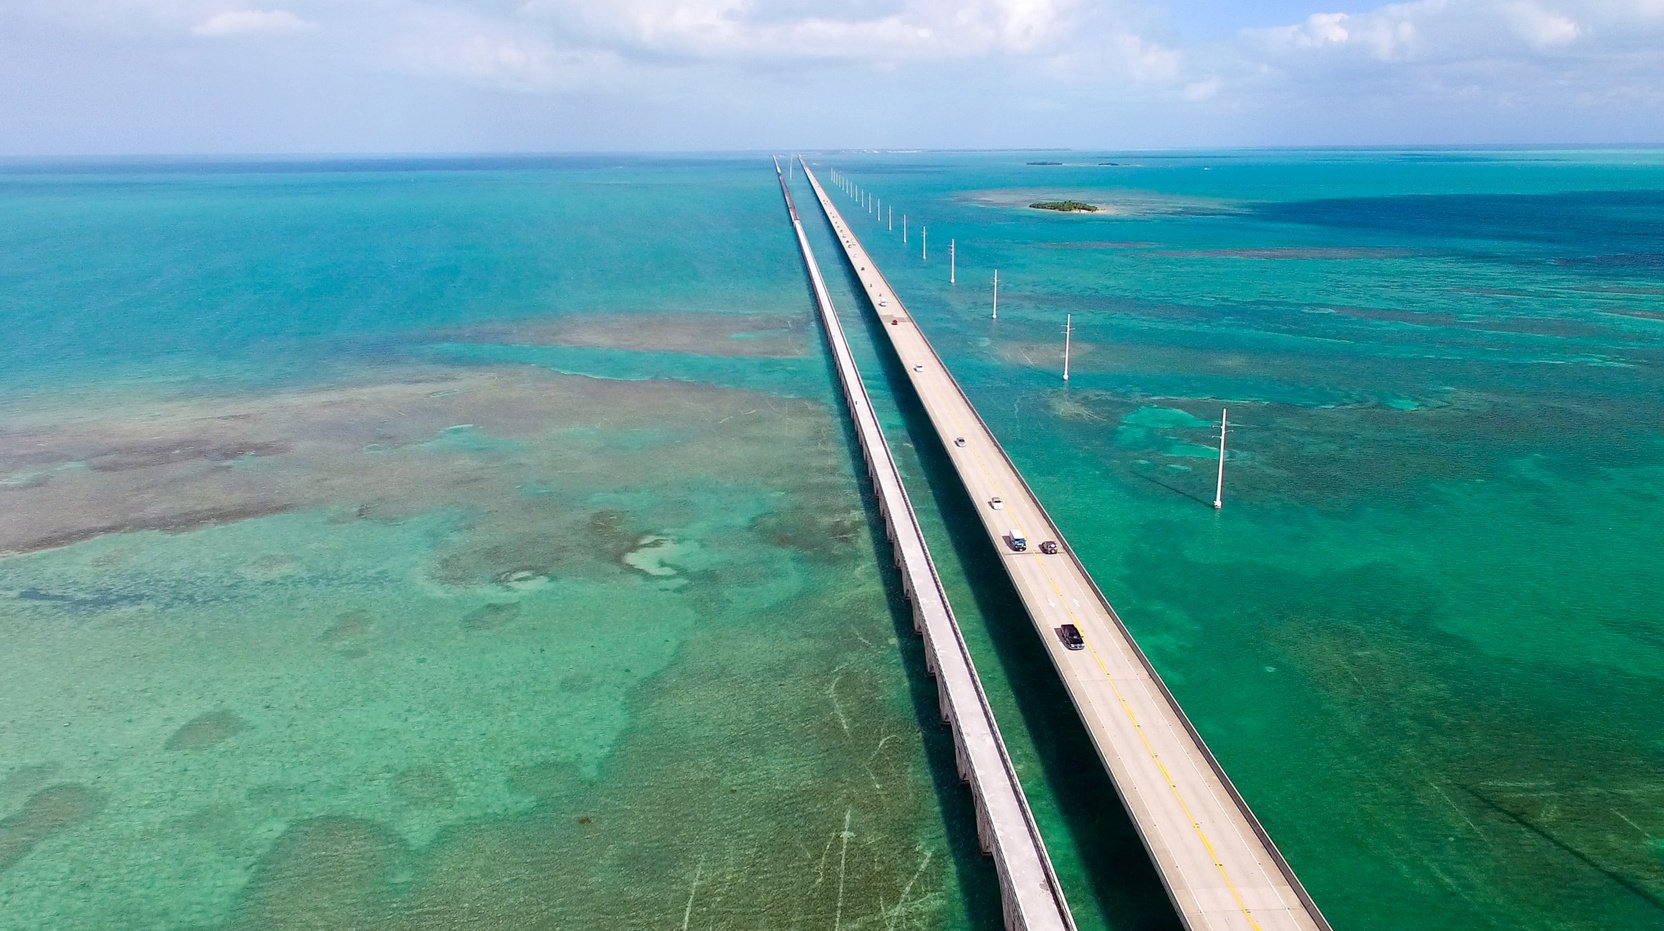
(1172,701)
(885,460)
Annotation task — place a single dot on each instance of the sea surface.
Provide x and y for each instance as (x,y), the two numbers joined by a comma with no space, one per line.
(478,543)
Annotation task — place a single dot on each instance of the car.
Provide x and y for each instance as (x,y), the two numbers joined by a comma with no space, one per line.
(918,368)
(894,321)
(996,503)
(883,302)
(959,441)
(1070,635)
(1049,547)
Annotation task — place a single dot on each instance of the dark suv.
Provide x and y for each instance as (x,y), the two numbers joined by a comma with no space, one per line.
(1070,635)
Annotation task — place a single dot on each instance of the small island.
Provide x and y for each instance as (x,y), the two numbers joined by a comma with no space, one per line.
(1065,206)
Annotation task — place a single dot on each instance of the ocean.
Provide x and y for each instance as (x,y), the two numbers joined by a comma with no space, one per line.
(478,542)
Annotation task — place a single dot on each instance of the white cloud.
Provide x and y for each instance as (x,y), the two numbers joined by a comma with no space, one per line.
(1464,30)
(1121,64)
(889,30)
(460,45)
(1205,89)
(1452,70)
(1318,30)
(243,22)
(1384,35)
(1540,28)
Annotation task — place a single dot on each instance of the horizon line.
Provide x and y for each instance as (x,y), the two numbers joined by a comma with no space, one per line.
(375,155)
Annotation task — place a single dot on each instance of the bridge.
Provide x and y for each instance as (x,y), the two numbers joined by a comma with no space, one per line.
(1220,867)
(1031,896)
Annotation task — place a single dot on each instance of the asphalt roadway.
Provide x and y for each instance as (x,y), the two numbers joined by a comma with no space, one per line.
(1220,868)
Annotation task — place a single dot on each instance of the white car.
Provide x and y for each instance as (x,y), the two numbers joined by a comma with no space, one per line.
(882,302)
(996,504)
(918,368)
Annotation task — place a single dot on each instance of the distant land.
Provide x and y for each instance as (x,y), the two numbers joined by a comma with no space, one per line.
(1065,206)
(1059,164)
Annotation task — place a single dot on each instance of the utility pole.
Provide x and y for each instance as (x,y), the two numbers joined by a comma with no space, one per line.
(1068,331)
(996,294)
(953,273)
(1219,489)
(892,218)
(924,243)
(904,229)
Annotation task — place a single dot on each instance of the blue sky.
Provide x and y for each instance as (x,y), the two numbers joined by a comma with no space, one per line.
(382,76)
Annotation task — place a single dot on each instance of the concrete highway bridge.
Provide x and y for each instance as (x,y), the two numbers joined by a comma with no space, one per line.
(1220,867)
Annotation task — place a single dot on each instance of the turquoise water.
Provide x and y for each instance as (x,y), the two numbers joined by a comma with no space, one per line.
(1420,633)
(445,545)
(476,543)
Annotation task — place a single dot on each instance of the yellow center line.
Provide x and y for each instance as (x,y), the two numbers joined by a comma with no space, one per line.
(1155,757)
(1149,748)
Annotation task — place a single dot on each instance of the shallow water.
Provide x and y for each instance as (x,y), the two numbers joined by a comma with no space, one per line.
(385,551)
(1419,635)
(477,543)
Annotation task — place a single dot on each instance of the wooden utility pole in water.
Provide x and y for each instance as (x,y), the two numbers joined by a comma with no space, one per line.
(996,294)
(904,229)
(953,274)
(924,243)
(1219,489)
(892,218)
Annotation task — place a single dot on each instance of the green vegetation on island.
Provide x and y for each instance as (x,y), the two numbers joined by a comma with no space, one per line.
(1065,206)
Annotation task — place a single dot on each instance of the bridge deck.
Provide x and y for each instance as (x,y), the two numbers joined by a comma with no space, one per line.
(1221,869)
(1032,898)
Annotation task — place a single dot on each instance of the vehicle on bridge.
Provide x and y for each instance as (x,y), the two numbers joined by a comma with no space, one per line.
(1019,543)
(1070,635)
(997,503)
(1049,547)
